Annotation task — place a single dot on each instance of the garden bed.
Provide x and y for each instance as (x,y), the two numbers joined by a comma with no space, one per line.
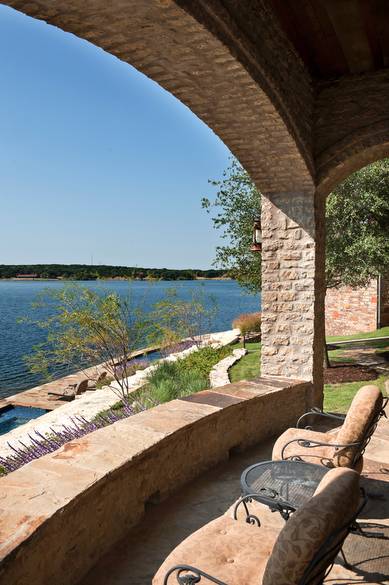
(341,373)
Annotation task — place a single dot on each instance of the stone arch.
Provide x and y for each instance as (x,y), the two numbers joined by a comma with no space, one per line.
(205,61)
(233,66)
(351,126)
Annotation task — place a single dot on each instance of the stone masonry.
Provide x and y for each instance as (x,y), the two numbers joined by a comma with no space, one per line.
(292,292)
(351,310)
(355,310)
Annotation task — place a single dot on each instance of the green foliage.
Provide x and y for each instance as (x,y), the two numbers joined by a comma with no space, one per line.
(203,360)
(358,226)
(357,217)
(249,366)
(236,205)
(183,377)
(175,319)
(170,381)
(85,328)
(338,397)
(383,332)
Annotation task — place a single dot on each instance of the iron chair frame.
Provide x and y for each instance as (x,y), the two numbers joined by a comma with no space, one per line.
(329,550)
(312,443)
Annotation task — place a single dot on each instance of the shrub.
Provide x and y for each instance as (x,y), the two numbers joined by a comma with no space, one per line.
(204,359)
(171,381)
(248,323)
(184,376)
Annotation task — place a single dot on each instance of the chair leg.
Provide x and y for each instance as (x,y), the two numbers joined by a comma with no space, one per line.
(345,561)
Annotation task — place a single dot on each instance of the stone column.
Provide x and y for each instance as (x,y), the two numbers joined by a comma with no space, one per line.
(293,289)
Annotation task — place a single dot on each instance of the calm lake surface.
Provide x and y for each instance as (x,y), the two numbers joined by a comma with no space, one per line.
(17,340)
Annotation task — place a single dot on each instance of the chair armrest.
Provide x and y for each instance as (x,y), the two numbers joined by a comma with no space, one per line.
(187,575)
(311,443)
(250,518)
(318,412)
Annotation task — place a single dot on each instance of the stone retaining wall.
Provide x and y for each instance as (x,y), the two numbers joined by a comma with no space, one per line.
(60,513)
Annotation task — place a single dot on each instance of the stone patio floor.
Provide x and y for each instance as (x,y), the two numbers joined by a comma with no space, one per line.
(135,560)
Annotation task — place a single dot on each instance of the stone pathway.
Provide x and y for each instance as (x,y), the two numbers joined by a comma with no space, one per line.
(219,373)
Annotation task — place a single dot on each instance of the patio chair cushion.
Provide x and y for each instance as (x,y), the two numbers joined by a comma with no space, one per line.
(234,552)
(334,504)
(318,454)
(365,406)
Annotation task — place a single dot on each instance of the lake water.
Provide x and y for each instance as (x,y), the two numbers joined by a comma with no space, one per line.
(17,340)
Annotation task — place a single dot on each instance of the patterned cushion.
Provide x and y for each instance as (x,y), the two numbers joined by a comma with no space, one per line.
(335,502)
(365,406)
(234,552)
(320,455)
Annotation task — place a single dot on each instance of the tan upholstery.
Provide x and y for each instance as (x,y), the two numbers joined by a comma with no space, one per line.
(277,553)
(365,406)
(335,502)
(234,552)
(318,455)
(265,515)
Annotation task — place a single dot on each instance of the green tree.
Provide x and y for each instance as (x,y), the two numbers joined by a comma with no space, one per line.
(84,329)
(357,218)
(175,319)
(236,205)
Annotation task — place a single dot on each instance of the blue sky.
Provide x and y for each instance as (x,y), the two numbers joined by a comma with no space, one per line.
(96,159)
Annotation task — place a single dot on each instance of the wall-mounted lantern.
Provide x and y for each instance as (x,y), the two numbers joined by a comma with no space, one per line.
(256,246)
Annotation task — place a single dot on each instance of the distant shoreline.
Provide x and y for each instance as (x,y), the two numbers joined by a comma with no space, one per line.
(86,272)
(123,278)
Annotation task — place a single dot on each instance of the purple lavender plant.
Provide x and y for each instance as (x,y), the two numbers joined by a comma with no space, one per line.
(78,427)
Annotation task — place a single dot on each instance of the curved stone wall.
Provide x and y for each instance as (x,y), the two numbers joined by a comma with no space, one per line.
(60,513)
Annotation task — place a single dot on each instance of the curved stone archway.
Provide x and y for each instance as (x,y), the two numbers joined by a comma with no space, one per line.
(351,126)
(203,60)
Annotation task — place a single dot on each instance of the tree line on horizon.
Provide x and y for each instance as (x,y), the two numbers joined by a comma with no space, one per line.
(87,272)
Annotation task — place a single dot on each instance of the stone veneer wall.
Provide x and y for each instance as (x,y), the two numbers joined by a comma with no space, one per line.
(61,513)
(351,310)
(293,287)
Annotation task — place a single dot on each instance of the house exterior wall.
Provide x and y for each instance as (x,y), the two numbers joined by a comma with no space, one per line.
(351,310)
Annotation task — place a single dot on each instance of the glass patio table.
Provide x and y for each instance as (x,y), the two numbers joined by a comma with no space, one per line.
(283,486)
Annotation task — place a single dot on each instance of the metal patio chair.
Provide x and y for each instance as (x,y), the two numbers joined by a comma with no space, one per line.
(342,447)
(300,552)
